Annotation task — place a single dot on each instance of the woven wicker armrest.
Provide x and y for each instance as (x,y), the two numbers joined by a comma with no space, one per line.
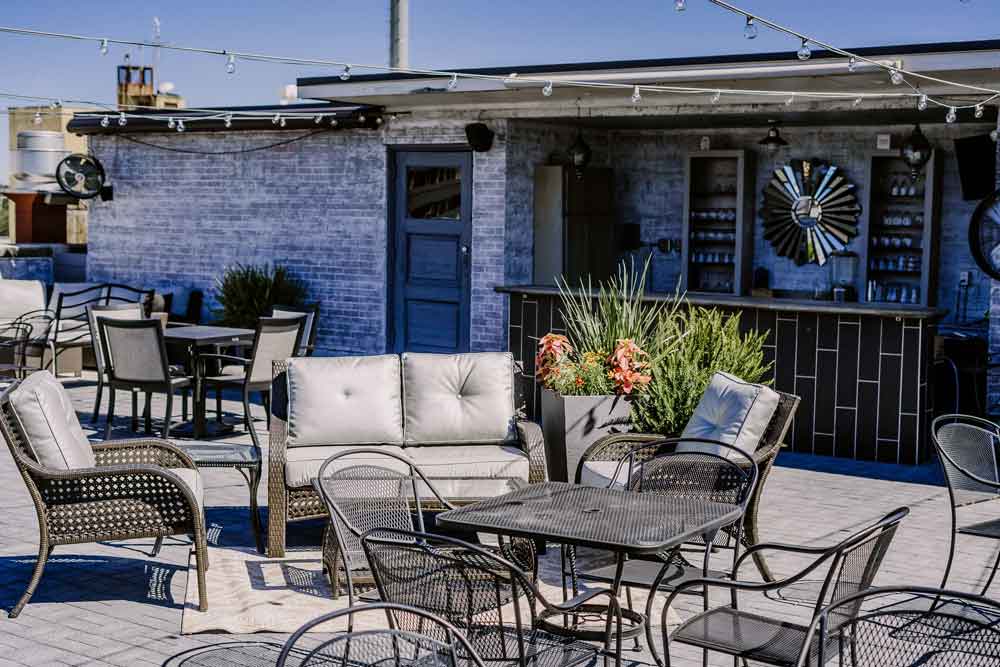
(533,444)
(142,451)
(614,447)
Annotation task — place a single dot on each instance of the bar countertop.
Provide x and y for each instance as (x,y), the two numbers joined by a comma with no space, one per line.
(767,303)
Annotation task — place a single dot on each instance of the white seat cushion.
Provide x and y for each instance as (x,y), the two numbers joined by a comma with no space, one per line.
(18,297)
(344,401)
(303,463)
(458,398)
(602,474)
(192,480)
(53,432)
(482,471)
(730,411)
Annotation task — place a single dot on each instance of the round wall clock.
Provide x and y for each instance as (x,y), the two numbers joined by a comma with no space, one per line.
(810,211)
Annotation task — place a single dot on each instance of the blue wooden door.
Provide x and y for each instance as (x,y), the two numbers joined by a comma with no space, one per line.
(432,236)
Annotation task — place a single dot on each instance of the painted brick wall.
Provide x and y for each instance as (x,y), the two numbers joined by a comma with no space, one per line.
(26,268)
(993,393)
(317,206)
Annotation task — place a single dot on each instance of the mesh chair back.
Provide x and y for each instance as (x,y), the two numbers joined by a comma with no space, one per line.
(857,560)
(308,328)
(489,599)
(436,643)
(901,627)
(277,339)
(134,351)
(129,311)
(364,496)
(967,448)
(14,338)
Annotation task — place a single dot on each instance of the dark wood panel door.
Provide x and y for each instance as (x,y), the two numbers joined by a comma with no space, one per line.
(432,251)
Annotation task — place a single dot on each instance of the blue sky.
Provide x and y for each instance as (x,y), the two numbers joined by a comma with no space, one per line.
(443,33)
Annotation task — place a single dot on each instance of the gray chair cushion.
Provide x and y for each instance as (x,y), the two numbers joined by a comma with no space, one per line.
(458,398)
(302,464)
(344,401)
(46,414)
(483,471)
(731,411)
(602,474)
(18,297)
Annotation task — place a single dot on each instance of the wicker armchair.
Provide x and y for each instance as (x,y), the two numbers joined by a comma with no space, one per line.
(135,489)
(614,448)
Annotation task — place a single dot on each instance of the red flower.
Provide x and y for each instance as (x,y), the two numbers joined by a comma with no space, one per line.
(627,362)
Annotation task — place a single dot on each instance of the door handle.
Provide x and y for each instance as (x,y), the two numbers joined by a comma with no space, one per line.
(465,253)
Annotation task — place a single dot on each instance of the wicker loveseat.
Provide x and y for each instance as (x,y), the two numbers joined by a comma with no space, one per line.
(82,493)
(451,415)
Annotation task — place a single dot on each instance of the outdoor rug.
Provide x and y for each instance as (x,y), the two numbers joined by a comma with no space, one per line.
(249,592)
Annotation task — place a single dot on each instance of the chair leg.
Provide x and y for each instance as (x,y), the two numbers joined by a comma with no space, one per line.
(258,531)
(265,397)
(218,404)
(111,412)
(168,415)
(750,538)
(247,417)
(993,574)
(97,400)
(148,414)
(156,547)
(184,405)
(43,555)
(201,563)
(951,550)
(135,411)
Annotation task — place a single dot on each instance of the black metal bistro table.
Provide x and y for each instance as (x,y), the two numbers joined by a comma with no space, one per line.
(193,338)
(623,522)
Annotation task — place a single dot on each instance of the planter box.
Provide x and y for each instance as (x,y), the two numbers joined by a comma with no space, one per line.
(573,423)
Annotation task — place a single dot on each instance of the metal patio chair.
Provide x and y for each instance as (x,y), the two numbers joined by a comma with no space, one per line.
(135,358)
(967,451)
(369,488)
(904,627)
(727,478)
(15,337)
(308,343)
(853,564)
(490,599)
(434,643)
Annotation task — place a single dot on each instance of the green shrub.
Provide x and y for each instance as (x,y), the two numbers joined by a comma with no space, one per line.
(247,293)
(702,341)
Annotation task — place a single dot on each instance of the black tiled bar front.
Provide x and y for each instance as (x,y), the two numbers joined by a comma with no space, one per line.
(860,369)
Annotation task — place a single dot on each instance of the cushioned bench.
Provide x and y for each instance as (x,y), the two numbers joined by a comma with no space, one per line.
(452,415)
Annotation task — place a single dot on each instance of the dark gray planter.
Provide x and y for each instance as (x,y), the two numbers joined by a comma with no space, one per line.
(573,423)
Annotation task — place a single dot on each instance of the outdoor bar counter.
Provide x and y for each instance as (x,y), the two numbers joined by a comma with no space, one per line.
(861,369)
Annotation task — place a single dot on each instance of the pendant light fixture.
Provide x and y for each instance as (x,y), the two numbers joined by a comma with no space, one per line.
(915,151)
(773,141)
(579,152)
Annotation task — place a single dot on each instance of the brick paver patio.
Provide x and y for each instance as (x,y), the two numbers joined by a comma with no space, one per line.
(113,604)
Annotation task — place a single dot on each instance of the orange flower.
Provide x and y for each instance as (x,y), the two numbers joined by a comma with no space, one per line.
(628,361)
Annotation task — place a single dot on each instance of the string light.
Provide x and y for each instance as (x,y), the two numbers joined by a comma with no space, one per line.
(55,104)
(105,121)
(852,64)
(952,115)
(282,122)
(276,119)
(228,120)
(318,119)
(180,125)
(453,83)
(231,64)
(857,102)
(547,89)
(104,47)
(750,29)
(896,77)
(680,5)
(922,103)
(122,120)
(978,113)
(346,74)
(804,52)
(171,123)
(636,95)
(790,101)
(716,97)
(994,135)
(334,123)
(37,120)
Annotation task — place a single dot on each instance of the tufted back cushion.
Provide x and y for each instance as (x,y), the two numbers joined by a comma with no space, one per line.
(458,398)
(344,401)
(53,432)
(18,297)
(731,411)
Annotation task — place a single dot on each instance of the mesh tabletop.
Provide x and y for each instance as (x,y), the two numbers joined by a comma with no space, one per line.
(206,335)
(637,523)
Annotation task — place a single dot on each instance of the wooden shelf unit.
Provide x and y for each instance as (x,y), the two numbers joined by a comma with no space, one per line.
(717,236)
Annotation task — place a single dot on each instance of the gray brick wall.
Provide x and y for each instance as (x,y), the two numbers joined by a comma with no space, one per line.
(993,397)
(317,206)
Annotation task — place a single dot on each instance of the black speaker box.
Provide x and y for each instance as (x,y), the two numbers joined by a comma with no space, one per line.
(977,166)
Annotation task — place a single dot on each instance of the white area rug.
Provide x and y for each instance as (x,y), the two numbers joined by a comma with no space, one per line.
(249,593)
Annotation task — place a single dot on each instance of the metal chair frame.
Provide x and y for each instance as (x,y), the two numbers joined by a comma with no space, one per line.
(879,535)
(448,637)
(946,459)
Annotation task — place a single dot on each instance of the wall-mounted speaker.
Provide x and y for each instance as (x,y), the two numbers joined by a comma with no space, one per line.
(479,136)
(977,166)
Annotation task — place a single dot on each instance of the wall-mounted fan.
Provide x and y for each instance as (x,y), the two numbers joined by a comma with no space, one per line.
(81,176)
(810,211)
(984,235)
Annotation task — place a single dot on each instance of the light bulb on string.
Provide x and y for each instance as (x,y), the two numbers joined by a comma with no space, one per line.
(346,74)
(228,120)
(922,103)
(547,89)
(104,47)
(994,135)
(180,125)
(857,102)
(896,77)
(362,118)
(37,120)
(636,95)
(318,119)
(122,120)
(55,104)
(790,101)
(170,123)
(680,5)
(282,121)
(804,52)
(717,97)
(453,83)
(105,121)
(952,115)
(276,119)
(334,122)
(750,29)
(978,113)
(852,64)
(378,120)
(231,64)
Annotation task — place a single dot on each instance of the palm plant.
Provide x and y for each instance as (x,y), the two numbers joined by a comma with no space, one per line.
(246,293)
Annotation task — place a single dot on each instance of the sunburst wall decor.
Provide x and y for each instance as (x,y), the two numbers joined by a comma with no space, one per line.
(810,211)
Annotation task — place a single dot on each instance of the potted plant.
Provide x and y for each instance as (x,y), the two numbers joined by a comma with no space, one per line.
(246,293)
(591,375)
